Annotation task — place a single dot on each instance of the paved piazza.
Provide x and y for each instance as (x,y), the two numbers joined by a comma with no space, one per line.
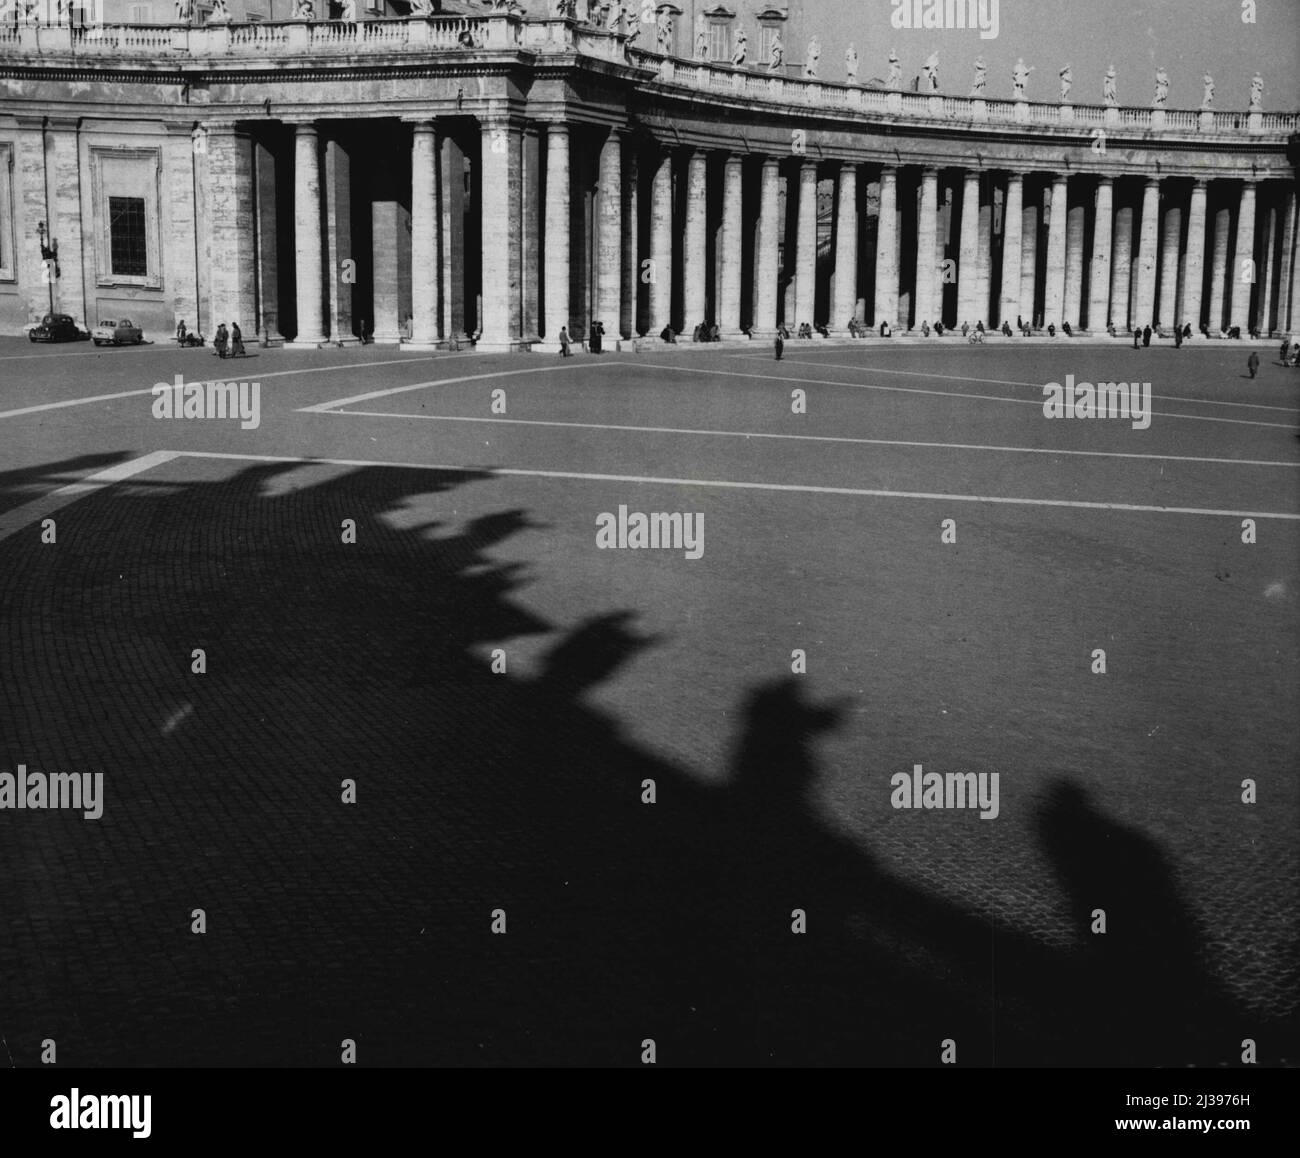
(522,791)
(735,533)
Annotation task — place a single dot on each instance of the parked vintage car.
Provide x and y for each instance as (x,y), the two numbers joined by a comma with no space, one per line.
(117,333)
(55,328)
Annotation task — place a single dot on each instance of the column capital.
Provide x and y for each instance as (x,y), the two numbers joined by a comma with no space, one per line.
(1151,183)
(1201,183)
(1107,179)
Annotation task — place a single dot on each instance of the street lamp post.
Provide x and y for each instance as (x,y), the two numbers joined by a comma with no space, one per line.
(50,256)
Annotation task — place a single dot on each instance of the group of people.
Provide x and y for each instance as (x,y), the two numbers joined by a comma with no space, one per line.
(595,340)
(228,343)
(706,333)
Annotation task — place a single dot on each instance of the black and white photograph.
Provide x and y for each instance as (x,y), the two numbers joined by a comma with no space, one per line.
(649,534)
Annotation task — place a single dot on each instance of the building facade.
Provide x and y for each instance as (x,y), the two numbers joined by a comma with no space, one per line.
(492,172)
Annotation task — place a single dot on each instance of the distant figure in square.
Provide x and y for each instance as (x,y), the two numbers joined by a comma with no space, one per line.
(236,341)
(780,345)
(1146,336)
(594,340)
(220,340)
(181,331)
(886,331)
(667,335)
(1252,363)
(565,342)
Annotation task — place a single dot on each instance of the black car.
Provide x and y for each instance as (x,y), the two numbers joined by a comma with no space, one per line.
(55,328)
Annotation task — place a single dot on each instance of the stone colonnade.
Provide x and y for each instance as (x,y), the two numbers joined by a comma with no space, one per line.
(577,224)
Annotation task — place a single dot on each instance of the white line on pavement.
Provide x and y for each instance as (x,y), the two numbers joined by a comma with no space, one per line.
(773,378)
(325,407)
(792,488)
(14,519)
(815,438)
(260,377)
(1000,381)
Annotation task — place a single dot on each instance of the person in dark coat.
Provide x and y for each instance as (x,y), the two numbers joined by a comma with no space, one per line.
(219,340)
(236,341)
(1252,363)
(597,329)
(565,352)
(1178,338)
(1146,336)
(1137,337)
(780,345)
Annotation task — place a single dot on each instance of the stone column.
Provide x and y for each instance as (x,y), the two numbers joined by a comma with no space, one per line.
(1194,265)
(234,269)
(1054,288)
(530,200)
(1144,293)
(1267,270)
(556,286)
(661,245)
(307,241)
(451,171)
(181,275)
(984,261)
(609,235)
(425,219)
(886,289)
(765,267)
(499,191)
(844,285)
(337,174)
(1099,275)
(1240,307)
(968,254)
(805,276)
(1288,266)
(1171,245)
(232,208)
(732,245)
(1030,221)
(1072,302)
(386,238)
(926,233)
(1121,274)
(695,242)
(1219,273)
(268,267)
(1012,226)
(631,268)
(74,291)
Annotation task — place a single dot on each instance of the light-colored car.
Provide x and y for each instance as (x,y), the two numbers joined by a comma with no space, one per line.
(117,333)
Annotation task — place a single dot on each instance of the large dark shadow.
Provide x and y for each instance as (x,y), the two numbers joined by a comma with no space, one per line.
(475,791)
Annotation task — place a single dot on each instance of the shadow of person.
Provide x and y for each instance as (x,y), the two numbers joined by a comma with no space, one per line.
(1139,990)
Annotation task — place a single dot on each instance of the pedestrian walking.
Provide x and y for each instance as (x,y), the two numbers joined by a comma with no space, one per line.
(780,345)
(220,339)
(1178,338)
(236,341)
(1137,337)
(565,342)
(1146,336)
(1252,363)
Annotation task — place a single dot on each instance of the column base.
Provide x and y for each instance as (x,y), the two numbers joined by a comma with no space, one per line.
(274,338)
(387,338)
(510,346)
(309,343)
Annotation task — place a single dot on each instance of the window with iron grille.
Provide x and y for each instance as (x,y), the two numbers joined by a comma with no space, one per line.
(126,231)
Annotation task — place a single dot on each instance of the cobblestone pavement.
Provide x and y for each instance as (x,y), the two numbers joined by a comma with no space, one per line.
(522,791)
